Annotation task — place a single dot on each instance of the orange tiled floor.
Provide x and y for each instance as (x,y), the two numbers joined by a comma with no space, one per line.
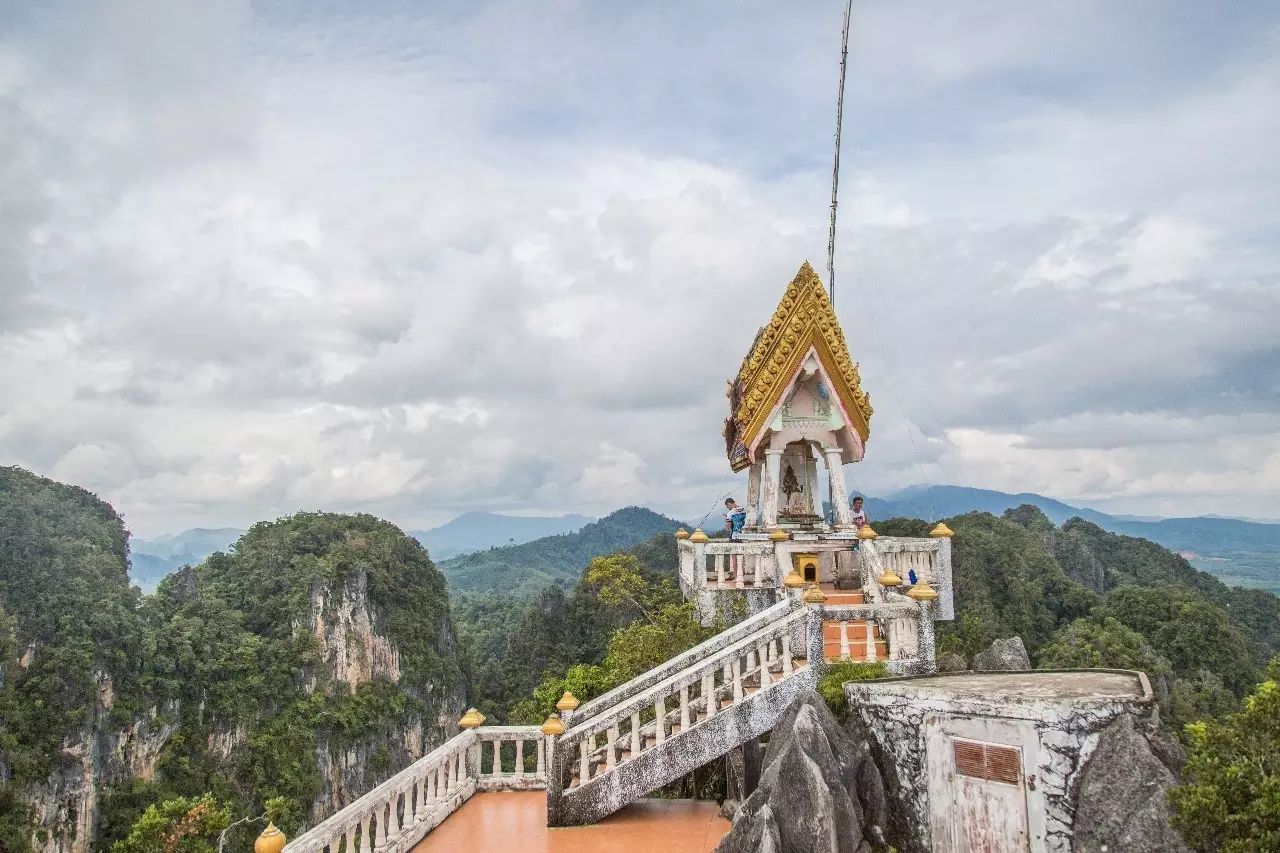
(517,822)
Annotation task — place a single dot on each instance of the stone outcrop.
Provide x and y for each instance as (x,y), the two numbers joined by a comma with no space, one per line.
(819,790)
(1008,655)
(1121,799)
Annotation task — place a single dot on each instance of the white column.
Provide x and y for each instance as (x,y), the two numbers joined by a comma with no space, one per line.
(753,495)
(811,483)
(772,484)
(839,495)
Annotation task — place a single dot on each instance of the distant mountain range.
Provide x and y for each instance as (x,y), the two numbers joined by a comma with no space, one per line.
(152,559)
(476,531)
(517,569)
(1237,552)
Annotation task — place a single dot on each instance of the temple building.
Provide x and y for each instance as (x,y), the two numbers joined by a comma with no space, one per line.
(797,403)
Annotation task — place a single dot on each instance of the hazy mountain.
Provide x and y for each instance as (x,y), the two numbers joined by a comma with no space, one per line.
(518,569)
(476,531)
(1239,552)
(152,559)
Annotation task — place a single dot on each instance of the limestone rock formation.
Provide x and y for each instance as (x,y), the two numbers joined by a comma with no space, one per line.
(1008,655)
(952,662)
(371,608)
(1120,801)
(819,790)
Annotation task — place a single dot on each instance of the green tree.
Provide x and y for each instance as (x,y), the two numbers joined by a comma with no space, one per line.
(1230,799)
(1101,643)
(618,582)
(178,825)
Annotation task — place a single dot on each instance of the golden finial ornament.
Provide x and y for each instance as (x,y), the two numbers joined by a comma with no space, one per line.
(793,580)
(472,719)
(270,841)
(553,727)
(922,592)
(890,578)
(777,534)
(942,531)
(866,532)
(682,533)
(814,595)
(698,536)
(567,702)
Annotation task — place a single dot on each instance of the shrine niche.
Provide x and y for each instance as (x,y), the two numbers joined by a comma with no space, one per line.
(797,400)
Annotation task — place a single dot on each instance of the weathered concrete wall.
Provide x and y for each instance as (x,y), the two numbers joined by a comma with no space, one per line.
(1053,718)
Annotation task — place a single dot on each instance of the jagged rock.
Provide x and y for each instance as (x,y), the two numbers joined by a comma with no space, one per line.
(952,662)
(729,809)
(819,790)
(1121,800)
(1004,656)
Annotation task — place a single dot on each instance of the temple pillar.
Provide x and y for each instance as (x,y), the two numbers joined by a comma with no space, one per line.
(811,482)
(753,495)
(839,495)
(771,487)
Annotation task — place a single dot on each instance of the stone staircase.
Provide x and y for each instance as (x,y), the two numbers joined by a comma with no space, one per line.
(858,640)
(649,732)
(654,730)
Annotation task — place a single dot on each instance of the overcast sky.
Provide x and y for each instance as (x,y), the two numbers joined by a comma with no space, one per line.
(415,259)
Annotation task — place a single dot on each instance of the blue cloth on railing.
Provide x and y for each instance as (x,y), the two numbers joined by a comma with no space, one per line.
(911,576)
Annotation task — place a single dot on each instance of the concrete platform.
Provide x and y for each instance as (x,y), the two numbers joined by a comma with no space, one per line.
(517,821)
(1045,685)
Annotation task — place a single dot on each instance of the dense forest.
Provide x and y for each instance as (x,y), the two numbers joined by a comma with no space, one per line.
(318,654)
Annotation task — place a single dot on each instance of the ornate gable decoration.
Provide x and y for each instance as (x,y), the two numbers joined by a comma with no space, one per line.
(804,318)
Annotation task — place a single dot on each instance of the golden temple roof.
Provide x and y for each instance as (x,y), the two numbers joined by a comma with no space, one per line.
(803,319)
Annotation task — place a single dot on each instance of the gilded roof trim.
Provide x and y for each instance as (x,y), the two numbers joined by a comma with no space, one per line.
(803,319)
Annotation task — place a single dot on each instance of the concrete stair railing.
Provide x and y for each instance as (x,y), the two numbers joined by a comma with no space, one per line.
(653,732)
(683,660)
(395,815)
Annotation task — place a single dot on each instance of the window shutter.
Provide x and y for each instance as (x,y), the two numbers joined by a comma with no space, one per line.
(988,761)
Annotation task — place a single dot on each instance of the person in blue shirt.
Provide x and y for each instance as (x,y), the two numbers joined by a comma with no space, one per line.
(734,517)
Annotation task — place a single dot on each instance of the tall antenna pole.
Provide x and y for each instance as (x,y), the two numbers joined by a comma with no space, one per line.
(835,189)
(835,171)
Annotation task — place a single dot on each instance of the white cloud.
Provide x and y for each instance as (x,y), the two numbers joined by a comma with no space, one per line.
(256,260)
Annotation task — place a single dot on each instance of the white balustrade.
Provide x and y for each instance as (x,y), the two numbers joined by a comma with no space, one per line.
(684,699)
(727,564)
(395,815)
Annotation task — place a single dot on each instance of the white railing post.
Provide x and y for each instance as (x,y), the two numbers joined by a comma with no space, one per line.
(709,693)
(636,745)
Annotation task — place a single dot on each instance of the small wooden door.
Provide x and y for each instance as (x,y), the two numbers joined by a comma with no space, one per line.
(988,800)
